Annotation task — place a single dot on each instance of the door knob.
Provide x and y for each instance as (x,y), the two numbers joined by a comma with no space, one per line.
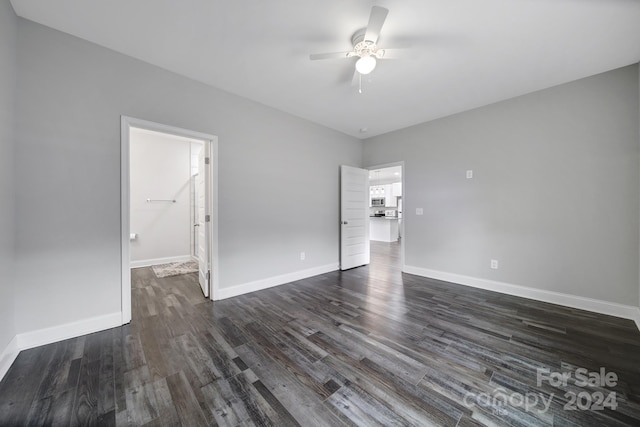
(345,222)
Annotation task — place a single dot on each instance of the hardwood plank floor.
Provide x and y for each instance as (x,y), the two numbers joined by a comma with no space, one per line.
(368,346)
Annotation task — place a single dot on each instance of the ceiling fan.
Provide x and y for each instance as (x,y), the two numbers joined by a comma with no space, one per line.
(365,46)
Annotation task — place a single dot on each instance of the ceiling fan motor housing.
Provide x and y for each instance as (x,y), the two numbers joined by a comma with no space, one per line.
(361,46)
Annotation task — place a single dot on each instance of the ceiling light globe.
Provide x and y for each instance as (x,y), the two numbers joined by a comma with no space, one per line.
(366,64)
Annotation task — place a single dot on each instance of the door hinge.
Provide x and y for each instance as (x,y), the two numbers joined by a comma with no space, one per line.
(208,275)
(207,218)
(207,160)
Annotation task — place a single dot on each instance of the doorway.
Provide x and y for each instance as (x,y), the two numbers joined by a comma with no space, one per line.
(386,217)
(201,239)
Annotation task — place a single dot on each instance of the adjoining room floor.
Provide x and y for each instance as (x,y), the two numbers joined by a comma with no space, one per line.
(368,346)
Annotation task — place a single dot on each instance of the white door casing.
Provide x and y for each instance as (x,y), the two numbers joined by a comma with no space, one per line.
(126,123)
(202,182)
(354,217)
(195,226)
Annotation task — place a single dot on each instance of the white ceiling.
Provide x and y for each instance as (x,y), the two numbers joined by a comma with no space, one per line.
(385,175)
(463,53)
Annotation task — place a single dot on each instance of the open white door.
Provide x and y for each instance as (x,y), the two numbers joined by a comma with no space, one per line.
(204,215)
(354,217)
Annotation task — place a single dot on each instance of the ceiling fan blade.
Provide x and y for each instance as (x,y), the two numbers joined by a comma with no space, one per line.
(332,55)
(389,53)
(376,21)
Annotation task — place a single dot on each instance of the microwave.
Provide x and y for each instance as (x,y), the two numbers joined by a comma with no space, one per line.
(377,201)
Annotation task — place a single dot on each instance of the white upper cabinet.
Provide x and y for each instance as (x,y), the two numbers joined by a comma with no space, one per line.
(397,189)
(377,191)
(390,200)
(392,192)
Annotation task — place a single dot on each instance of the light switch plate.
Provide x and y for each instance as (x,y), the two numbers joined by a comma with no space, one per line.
(469,174)
(419,211)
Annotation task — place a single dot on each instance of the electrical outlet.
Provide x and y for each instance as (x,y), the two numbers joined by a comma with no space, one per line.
(302,256)
(494,264)
(469,174)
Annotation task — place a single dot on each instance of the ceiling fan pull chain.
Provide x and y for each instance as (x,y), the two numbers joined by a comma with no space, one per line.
(359,83)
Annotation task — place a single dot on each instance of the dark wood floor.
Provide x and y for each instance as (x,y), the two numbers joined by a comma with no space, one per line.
(369,346)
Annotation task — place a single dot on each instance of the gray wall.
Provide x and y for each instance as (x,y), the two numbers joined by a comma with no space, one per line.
(8,31)
(278,175)
(160,169)
(554,196)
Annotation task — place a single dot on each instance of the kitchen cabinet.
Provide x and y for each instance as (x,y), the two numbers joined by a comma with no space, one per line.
(393,191)
(396,189)
(377,191)
(383,229)
(390,200)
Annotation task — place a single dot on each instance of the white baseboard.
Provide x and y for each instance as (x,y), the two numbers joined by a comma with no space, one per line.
(574,301)
(270,282)
(157,261)
(68,330)
(8,356)
(45,336)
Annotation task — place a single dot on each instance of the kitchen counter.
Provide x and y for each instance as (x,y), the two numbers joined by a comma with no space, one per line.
(383,228)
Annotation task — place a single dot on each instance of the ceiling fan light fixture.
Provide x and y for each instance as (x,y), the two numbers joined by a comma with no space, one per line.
(366,64)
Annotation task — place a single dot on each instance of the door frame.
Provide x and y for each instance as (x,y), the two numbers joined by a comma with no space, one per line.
(203,224)
(404,203)
(126,123)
